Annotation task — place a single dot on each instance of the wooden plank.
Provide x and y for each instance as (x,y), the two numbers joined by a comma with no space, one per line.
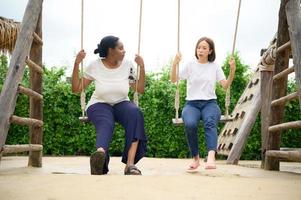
(279,86)
(32,65)
(244,130)
(266,91)
(285,155)
(15,71)
(30,92)
(26,121)
(293,13)
(223,119)
(36,105)
(284,73)
(19,148)
(283,100)
(83,119)
(285,126)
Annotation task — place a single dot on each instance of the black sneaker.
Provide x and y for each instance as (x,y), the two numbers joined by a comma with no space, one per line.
(97,161)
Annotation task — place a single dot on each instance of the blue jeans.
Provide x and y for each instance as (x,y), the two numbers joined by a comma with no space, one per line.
(209,112)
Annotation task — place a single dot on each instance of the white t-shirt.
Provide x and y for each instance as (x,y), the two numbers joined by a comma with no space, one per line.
(201,79)
(111,85)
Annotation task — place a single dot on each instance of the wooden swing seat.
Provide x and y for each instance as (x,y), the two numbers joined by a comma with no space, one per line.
(224,119)
(83,119)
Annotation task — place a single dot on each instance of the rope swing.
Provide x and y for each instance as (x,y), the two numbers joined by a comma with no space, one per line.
(83,92)
(224,118)
(227,102)
(136,95)
(84,118)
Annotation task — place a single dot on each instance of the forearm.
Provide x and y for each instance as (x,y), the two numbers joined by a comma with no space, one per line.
(173,73)
(141,81)
(76,83)
(230,79)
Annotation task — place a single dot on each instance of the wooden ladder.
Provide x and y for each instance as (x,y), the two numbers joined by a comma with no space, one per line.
(28,50)
(274,87)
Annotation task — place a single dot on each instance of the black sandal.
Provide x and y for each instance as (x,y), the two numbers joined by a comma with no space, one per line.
(132,170)
(97,161)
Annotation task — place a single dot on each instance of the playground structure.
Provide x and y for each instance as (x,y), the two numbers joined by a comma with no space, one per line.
(269,79)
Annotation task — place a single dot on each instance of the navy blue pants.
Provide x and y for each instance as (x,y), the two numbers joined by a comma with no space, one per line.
(210,113)
(103,116)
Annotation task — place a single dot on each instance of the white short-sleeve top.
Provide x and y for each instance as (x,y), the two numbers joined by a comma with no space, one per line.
(111,85)
(201,79)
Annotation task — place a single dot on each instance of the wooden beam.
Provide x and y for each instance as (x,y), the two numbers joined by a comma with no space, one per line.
(284,73)
(283,100)
(285,126)
(285,155)
(266,85)
(19,148)
(36,105)
(284,47)
(26,121)
(293,13)
(280,86)
(15,71)
(30,92)
(37,39)
(32,65)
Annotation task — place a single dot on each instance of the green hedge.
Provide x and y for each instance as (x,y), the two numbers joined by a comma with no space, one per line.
(65,135)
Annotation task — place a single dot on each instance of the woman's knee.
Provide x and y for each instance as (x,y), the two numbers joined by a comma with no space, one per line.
(133,110)
(190,124)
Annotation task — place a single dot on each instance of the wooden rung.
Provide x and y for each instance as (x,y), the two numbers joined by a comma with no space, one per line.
(30,92)
(83,119)
(26,121)
(285,99)
(285,155)
(34,66)
(179,121)
(285,126)
(19,148)
(37,39)
(284,73)
(284,47)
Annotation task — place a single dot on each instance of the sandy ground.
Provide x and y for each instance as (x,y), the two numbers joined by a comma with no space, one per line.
(64,178)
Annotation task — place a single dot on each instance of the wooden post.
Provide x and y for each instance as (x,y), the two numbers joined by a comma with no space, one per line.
(266,85)
(279,87)
(293,14)
(36,105)
(15,72)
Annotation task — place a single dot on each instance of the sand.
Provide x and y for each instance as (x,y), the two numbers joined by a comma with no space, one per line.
(64,178)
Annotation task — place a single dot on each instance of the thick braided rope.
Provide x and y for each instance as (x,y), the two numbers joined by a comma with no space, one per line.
(83,93)
(177,95)
(228,100)
(136,95)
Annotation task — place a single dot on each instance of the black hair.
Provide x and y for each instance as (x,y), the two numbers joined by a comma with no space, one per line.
(104,45)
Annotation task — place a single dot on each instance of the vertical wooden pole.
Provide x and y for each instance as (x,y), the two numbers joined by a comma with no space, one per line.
(266,86)
(279,87)
(36,106)
(293,13)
